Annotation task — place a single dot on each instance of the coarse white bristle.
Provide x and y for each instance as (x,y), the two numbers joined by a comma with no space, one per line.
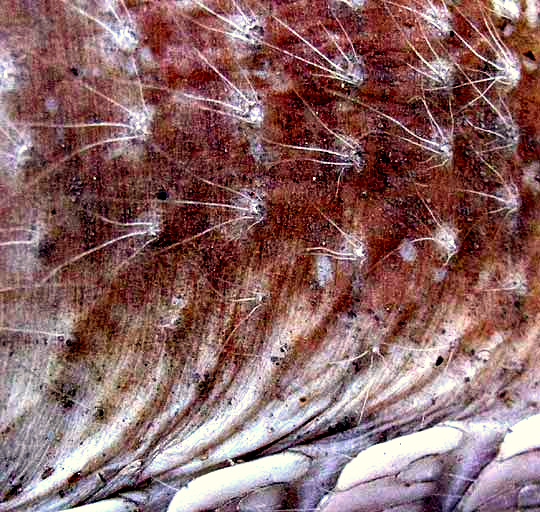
(509,9)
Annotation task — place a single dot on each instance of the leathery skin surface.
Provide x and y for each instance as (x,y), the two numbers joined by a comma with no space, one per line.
(269,255)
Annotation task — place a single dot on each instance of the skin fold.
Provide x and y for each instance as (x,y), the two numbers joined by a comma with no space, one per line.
(269,255)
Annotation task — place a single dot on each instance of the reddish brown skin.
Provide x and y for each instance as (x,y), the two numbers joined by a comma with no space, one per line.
(387,200)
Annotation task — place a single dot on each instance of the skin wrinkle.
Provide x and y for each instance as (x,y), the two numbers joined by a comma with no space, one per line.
(162,311)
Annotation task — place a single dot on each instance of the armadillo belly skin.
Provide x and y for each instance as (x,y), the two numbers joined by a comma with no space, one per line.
(269,255)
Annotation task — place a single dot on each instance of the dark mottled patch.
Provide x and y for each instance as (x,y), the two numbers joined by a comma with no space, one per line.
(162,195)
(12,491)
(341,426)
(47,472)
(75,477)
(46,248)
